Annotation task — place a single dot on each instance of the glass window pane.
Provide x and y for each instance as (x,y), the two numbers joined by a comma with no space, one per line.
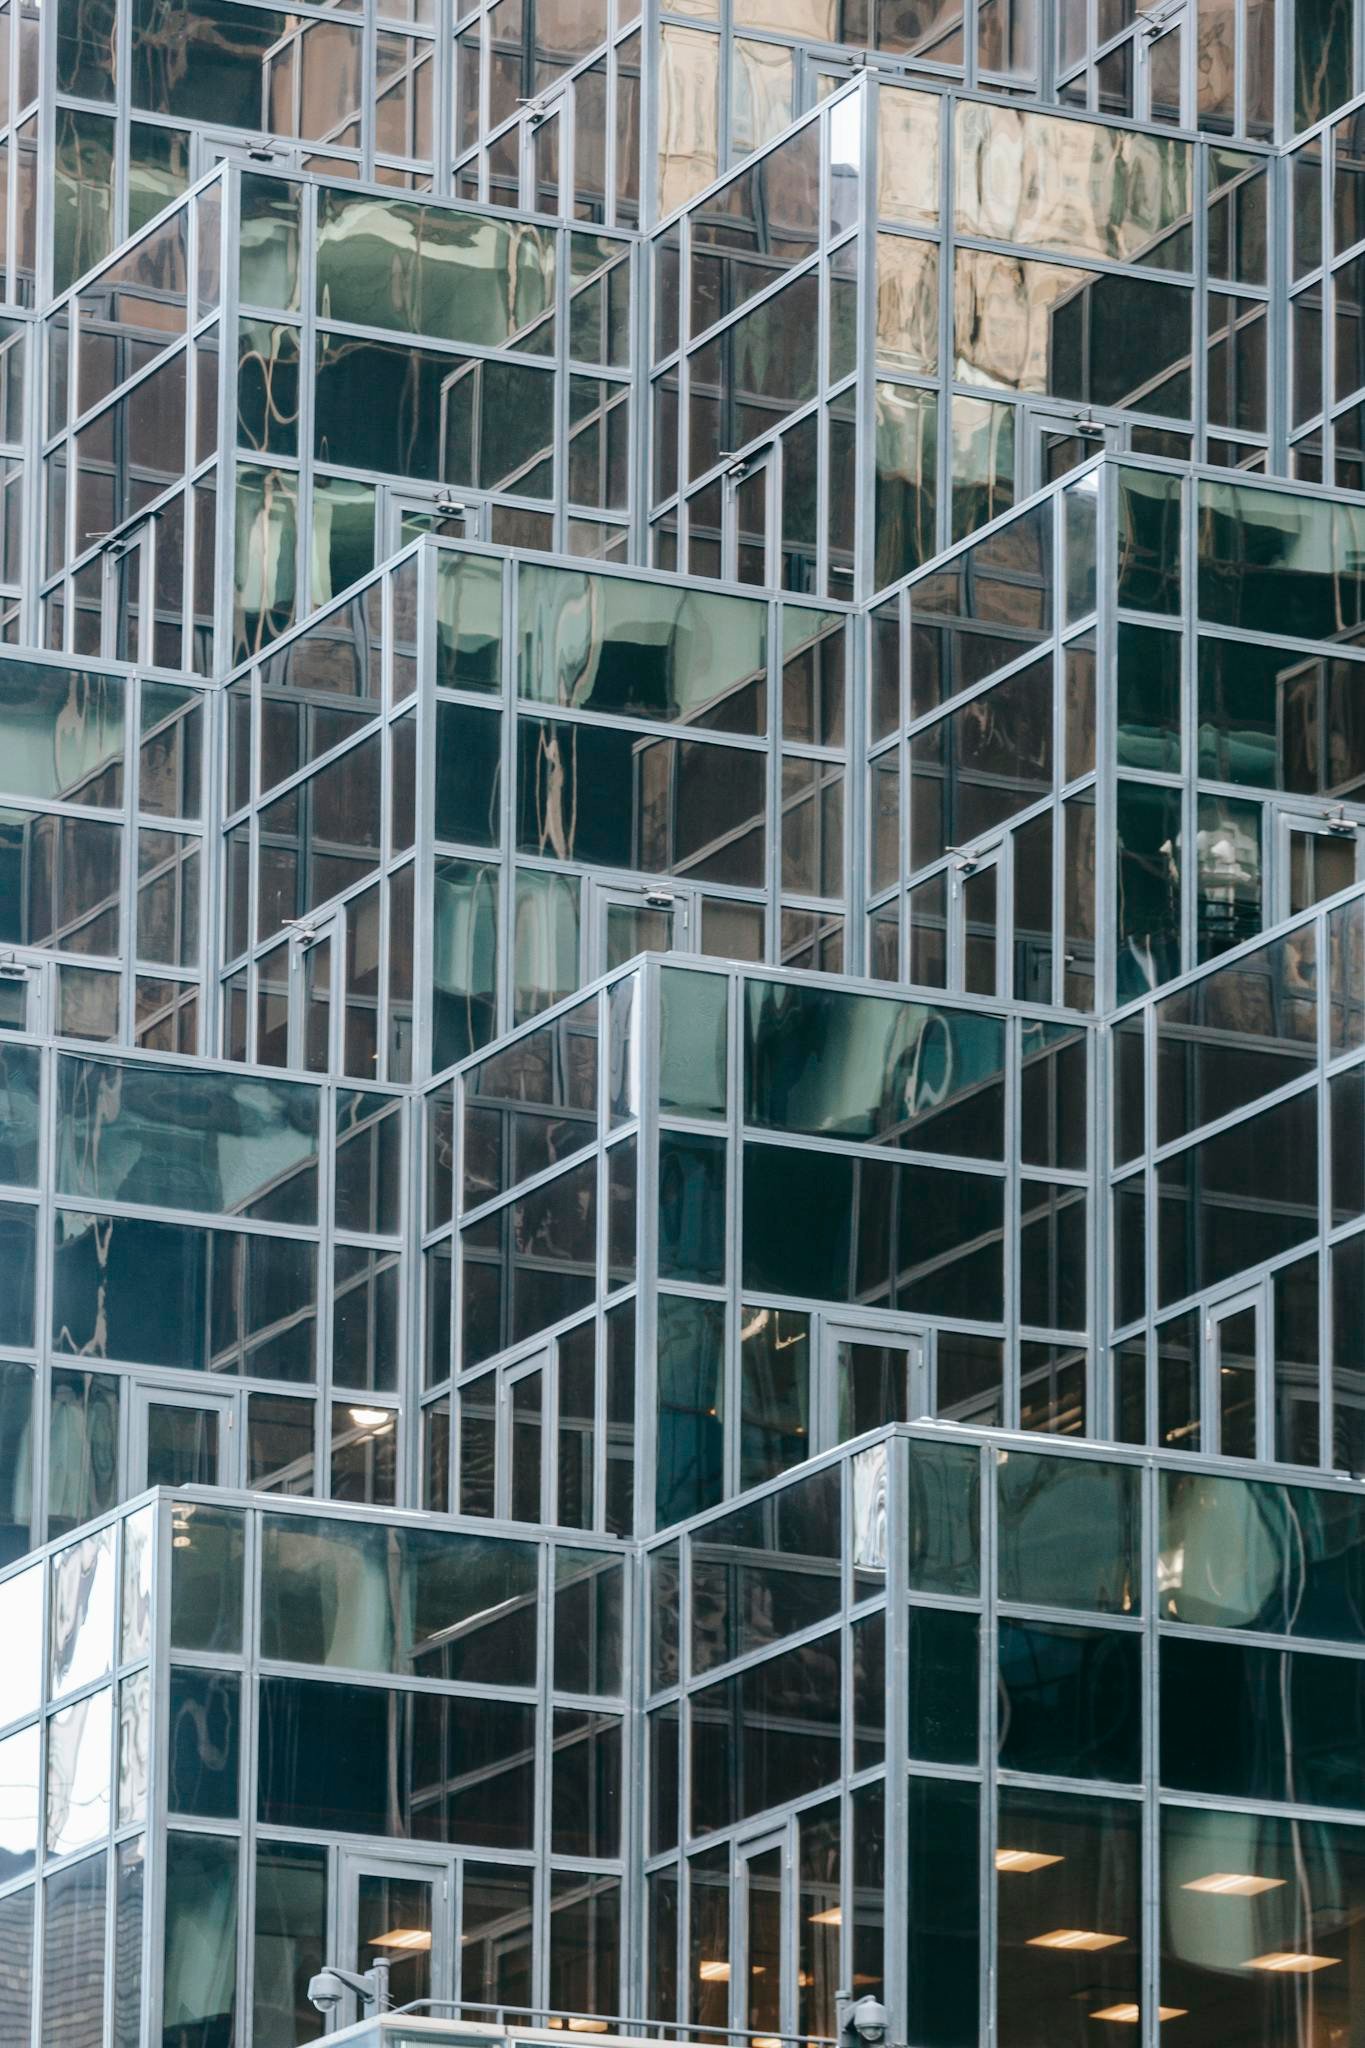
(73,1954)
(19,1802)
(84,1583)
(21,1629)
(204,1722)
(1068,1896)
(79,1766)
(290,1942)
(1043,1501)
(200,1957)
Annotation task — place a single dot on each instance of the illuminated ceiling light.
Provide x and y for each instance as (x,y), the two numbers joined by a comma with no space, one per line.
(1129,2015)
(587,2026)
(831,1917)
(713,1972)
(403,1937)
(371,1418)
(1290,1963)
(1075,1937)
(1024,1860)
(1232,1884)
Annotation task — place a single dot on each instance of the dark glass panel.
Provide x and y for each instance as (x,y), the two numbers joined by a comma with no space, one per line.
(692,1209)
(199,1986)
(208,1552)
(426,1602)
(691,1365)
(585,1943)
(943,1919)
(589,1625)
(1068,1898)
(1246,1723)
(945,1258)
(944,1685)
(204,1721)
(829,1063)
(366,1760)
(767,1736)
(1238,1198)
(495,1934)
(766,1570)
(1042,1502)
(586,1805)
(290,1942)
(944,1517)
(1070,1701)
(1260,1927)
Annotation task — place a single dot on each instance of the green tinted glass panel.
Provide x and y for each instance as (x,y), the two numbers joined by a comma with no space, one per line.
(692,1050)
(204,1141)
(1043,1504)
(642,650)
(873,1070)
(61,733)
(395,263)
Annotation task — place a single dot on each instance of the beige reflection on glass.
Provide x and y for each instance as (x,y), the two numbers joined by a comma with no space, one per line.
(1068,185)
(689,113)
(797,18)
(761,78)
(908,156)
(907,304)
(1002,318)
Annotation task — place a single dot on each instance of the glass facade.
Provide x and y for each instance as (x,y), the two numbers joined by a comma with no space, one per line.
(682,1021)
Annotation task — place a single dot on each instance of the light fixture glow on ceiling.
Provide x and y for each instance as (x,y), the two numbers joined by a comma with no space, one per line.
(1075,1937)
(1233,1884)
(1290,1962)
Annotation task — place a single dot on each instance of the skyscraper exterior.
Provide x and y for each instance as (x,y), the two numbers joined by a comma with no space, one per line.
(682,1019)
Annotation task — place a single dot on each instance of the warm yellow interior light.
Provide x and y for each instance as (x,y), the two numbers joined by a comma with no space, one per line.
(1075,1937)
(1290,1962)
(1024,1860)
(1232,1884)
(1128,2014)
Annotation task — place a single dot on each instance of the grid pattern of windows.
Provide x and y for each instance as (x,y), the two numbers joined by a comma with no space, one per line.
(682,1020)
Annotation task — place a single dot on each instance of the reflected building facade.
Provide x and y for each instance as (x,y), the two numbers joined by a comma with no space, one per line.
(682,1019)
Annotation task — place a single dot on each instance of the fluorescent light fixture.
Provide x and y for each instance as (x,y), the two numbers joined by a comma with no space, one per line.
(1024,1860)
(1075,1937)
(1128,2015)
(1288,1962)
(713,1972)
(831,1917)
(403,1937)
(587,2026)
(1232,1884)
(371,1418)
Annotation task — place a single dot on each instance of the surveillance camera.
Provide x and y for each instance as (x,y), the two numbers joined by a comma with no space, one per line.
(864,2024)
(326,1990)
(330,1986)
(870,2020)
